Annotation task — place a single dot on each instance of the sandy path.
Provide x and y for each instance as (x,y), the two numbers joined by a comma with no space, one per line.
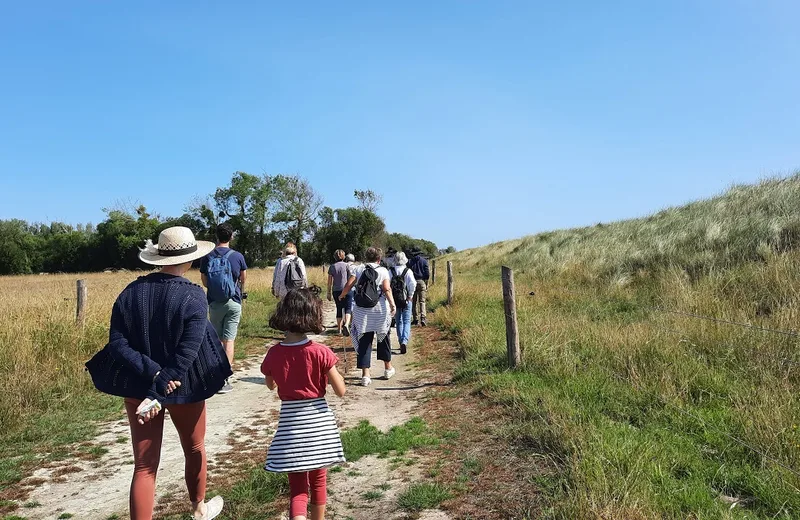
(242,419)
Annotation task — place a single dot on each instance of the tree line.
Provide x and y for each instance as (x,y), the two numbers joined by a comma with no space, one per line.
(266,211)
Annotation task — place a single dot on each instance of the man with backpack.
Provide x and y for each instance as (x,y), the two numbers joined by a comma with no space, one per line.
(419,266)
(290,272)
(403,286)
(224,272)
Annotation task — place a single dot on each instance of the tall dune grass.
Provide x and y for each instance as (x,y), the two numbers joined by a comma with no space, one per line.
(638,409)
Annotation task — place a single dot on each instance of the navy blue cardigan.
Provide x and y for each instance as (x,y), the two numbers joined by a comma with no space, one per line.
(159,325)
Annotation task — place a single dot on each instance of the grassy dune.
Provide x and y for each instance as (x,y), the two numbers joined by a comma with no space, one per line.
(48,401)
(635,409)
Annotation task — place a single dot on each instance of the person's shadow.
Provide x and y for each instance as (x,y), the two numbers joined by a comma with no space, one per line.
(252,379)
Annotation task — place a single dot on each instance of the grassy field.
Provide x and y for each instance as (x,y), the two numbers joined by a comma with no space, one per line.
(48,401)
(644,413)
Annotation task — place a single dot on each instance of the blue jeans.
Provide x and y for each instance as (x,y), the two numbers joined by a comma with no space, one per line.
(403,319)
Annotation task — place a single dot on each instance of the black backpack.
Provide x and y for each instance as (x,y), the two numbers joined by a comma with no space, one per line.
(399,289)
(294,275)
(367,291)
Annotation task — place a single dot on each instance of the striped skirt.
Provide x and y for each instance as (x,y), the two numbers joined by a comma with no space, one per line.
(307,438)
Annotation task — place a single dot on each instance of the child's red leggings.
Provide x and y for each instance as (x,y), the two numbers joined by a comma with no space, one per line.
(299,484)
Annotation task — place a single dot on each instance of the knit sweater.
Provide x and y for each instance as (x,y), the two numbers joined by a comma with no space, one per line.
(160,333)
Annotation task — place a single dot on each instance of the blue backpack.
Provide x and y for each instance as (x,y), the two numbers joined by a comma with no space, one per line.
(221,286)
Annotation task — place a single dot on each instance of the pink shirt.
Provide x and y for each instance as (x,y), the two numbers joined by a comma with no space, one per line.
(300,371)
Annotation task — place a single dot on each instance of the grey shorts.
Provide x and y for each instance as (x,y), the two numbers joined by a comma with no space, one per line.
(225,318)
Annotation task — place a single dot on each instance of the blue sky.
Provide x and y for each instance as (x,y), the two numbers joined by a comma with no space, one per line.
(477,121)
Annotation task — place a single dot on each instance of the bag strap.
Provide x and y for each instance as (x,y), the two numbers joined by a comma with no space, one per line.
(228,254)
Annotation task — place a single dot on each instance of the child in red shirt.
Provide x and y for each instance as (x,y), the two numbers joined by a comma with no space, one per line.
(307,440)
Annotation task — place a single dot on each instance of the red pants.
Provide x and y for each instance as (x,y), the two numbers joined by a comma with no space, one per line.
(299,484)
(190,421)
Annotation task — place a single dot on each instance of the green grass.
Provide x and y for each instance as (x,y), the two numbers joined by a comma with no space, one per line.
(254,331)
(366,439)
(65,515)
(634,407)
(47,433)
(423,496)
(252,498)
(372,495)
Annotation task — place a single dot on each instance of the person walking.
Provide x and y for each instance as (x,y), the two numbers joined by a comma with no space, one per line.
(338,274)
(419,266)
(163,353)
(224,273)
(372,316)
(351,260)
(403,286)
(307,440)
(290,272)
(388,260)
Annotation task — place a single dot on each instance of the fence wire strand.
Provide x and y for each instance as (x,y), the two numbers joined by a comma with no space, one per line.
(722,320)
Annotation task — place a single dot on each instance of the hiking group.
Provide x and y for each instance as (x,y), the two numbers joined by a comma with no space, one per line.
(171,345)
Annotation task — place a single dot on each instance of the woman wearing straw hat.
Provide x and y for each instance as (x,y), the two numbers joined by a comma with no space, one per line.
(163,352)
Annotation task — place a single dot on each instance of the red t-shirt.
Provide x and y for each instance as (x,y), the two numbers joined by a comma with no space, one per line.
(300,371)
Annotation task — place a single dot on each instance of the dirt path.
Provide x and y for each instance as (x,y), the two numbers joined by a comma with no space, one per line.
(241,423)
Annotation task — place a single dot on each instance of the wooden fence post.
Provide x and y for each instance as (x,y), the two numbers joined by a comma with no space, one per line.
(80,312)
(449,282)
(510,305)
(433,272)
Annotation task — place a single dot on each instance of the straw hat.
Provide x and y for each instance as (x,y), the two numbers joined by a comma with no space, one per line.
(176,245)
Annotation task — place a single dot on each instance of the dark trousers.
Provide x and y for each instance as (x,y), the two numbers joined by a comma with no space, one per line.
(365,348)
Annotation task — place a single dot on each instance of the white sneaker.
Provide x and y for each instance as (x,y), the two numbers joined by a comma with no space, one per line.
(365,381)
(213,509)
(389,373)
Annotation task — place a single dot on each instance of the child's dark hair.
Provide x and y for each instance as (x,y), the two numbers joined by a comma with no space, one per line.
(299,311)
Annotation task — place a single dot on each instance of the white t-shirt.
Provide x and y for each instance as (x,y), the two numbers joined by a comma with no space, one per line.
(383,273)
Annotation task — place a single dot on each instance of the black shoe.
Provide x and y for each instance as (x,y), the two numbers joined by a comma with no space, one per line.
(403,349)
(415,322)
(345,331)
(424,323)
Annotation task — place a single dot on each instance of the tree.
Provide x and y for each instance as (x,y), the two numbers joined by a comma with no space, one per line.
(402,242)
(368,199)
(120,236)
(247,204)
(298,204)
(350,229)
(16,247)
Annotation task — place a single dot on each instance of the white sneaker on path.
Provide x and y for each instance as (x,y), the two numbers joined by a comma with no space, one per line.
(365,381)
(213,509)
(389,373)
